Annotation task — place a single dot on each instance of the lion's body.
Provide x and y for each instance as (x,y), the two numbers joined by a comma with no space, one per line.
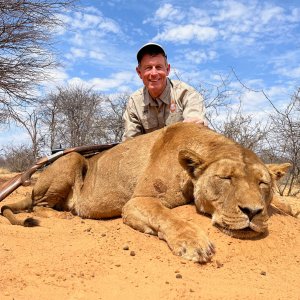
(114,176)
(109,181)
(142,178)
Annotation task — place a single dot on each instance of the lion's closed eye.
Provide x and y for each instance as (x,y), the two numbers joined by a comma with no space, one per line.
(264,184)
(224,178)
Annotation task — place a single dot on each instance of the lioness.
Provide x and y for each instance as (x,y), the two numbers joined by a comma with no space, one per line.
(143,178)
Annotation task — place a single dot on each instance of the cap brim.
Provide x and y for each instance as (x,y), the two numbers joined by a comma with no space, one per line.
(150,48)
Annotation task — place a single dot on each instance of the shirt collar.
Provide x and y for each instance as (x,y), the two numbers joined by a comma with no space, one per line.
(164,97)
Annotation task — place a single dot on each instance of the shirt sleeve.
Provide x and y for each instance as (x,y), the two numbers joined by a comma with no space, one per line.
(193,105)
(132,124)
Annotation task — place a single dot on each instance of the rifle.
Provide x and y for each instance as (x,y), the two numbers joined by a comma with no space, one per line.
(24,178)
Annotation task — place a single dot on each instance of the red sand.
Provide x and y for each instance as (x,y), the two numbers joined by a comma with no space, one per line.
(71,258)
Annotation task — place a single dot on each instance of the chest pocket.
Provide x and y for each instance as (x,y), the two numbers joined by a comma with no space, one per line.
(149,122)
(174,117)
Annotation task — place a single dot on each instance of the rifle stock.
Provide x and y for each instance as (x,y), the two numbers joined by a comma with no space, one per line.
(24,178)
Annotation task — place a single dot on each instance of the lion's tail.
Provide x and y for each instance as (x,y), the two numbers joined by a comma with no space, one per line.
(8,212)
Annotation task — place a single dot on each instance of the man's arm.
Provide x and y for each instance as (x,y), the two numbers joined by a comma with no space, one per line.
(193,107)
(132,124)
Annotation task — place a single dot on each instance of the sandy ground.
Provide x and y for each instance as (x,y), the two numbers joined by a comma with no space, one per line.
(71,258)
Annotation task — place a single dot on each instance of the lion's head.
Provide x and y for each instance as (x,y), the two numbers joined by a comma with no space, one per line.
(235,188)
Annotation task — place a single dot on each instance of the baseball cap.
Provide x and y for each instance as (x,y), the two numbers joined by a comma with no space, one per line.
(151,48)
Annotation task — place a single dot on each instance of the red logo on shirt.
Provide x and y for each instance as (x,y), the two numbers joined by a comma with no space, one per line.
(172,106)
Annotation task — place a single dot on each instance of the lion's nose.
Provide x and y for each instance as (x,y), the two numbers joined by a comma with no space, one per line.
(250,212)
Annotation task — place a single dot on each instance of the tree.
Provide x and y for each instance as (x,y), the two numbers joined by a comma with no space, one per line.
(74,115)
(50,117)
(280,140)
(27,117)
(26,27)
(71,115)
(30,120)
(243,129)
(111,117)
(217,96)
(18,158)
(284,139)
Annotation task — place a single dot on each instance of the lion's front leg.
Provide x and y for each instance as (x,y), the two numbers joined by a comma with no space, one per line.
(185,239)
(283,206)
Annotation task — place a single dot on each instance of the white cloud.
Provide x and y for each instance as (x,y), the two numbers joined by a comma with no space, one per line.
(98,55)
(120,81)
(275,13)
(77,52)
(77,81)
(164,14)
(168,12)
(287,64)
(294,16)
(56,77)
(199,57)
(241,23)
(261,102)
(84,20)
(277,92)
(288,71)
(231,10)
(90,36)
(106,84)
(15,136)
(255,23)
(186,33)
(253,100)
(109,26)
(77,39)
(199,16)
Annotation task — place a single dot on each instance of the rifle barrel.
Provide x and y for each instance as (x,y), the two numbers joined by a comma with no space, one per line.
(9,186)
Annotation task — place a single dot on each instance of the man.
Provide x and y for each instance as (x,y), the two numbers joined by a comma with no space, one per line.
(160,102)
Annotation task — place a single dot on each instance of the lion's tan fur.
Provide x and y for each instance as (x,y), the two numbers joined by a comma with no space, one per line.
(143,178)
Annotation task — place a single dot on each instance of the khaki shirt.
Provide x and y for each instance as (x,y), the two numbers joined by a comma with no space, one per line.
(178,102)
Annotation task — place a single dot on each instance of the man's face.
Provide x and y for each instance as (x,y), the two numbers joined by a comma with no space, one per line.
(153,70)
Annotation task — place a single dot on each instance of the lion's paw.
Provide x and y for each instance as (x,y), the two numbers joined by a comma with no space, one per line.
(192,244)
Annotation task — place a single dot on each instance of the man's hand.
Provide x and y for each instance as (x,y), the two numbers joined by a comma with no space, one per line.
(196,121)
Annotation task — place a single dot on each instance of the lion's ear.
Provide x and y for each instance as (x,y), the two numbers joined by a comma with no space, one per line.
(191,162)
(278,170)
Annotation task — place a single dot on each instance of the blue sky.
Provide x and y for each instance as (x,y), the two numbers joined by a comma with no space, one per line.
(260,40)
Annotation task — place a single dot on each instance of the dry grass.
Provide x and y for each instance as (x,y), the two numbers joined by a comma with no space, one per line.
(4,171)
